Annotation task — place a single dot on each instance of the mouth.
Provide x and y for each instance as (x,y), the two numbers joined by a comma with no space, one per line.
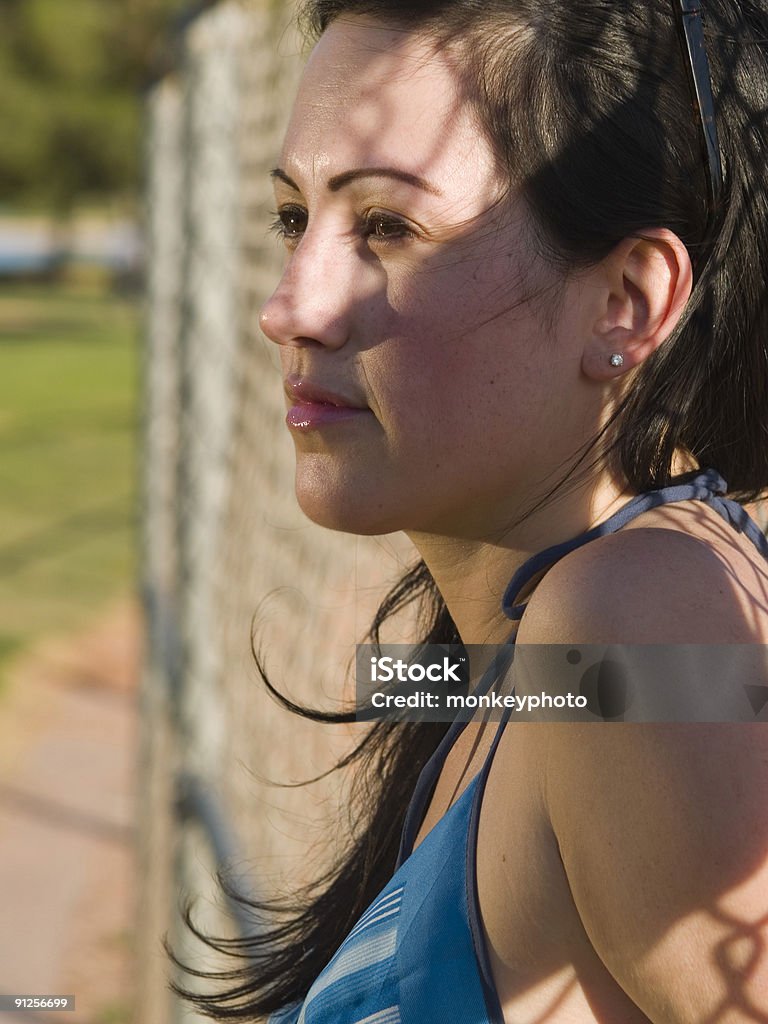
(313,406)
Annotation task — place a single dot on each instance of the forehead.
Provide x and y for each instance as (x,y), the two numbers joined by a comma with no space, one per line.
(372,94)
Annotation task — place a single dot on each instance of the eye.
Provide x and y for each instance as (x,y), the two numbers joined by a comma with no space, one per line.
(383,227)
(290,223)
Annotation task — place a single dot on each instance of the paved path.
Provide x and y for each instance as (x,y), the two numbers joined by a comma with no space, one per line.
(68,740)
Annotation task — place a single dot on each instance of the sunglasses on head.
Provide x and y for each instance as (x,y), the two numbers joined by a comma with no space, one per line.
(692,38)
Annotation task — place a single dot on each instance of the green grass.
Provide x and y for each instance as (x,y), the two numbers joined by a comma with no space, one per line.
(120,1012)
(68,392)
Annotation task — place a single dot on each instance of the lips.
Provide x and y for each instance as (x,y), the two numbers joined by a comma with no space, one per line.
(314,406)
(304,392)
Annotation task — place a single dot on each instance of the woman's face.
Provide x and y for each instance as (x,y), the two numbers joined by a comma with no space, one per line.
(427,387)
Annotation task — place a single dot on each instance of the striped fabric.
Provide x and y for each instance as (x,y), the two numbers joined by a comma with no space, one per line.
(359,966)
(380,973)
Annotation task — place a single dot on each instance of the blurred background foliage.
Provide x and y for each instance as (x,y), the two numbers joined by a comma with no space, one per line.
(71,76)
(72,79)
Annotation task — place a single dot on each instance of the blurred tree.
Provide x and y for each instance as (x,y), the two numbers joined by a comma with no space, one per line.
(70,79)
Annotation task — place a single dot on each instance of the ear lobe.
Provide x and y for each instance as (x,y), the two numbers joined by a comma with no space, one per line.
(646,283)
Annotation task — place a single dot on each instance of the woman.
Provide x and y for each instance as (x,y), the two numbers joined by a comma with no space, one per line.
(523,297)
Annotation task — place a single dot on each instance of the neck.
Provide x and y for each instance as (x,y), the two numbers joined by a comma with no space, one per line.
(472,572)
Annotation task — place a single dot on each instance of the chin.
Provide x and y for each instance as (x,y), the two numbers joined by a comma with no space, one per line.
(346,516)
(346,505)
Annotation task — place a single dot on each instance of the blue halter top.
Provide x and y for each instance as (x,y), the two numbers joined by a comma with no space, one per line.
(418,954)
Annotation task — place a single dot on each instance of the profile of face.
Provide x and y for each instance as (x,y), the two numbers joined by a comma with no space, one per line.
(429,384)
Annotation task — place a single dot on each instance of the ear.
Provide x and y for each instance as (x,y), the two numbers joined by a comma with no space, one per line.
(642,288)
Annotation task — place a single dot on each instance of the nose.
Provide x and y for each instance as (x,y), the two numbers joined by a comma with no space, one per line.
(312,303)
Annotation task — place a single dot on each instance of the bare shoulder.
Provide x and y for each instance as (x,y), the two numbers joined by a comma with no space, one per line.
(675,575)
(662,829)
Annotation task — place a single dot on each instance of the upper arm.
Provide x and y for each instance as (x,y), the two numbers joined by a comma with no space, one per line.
(663,835)
(662,829)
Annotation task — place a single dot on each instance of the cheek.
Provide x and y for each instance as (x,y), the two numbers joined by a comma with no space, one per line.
(459,356)
(442,390)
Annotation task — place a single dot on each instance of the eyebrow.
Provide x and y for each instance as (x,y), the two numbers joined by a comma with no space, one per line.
(338,181)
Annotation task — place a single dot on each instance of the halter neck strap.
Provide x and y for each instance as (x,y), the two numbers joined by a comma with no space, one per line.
(703,485)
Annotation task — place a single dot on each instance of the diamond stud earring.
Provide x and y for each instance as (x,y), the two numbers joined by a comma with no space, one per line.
(617,359)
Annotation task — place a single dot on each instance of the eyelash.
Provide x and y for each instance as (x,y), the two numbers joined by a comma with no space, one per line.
(370,221)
